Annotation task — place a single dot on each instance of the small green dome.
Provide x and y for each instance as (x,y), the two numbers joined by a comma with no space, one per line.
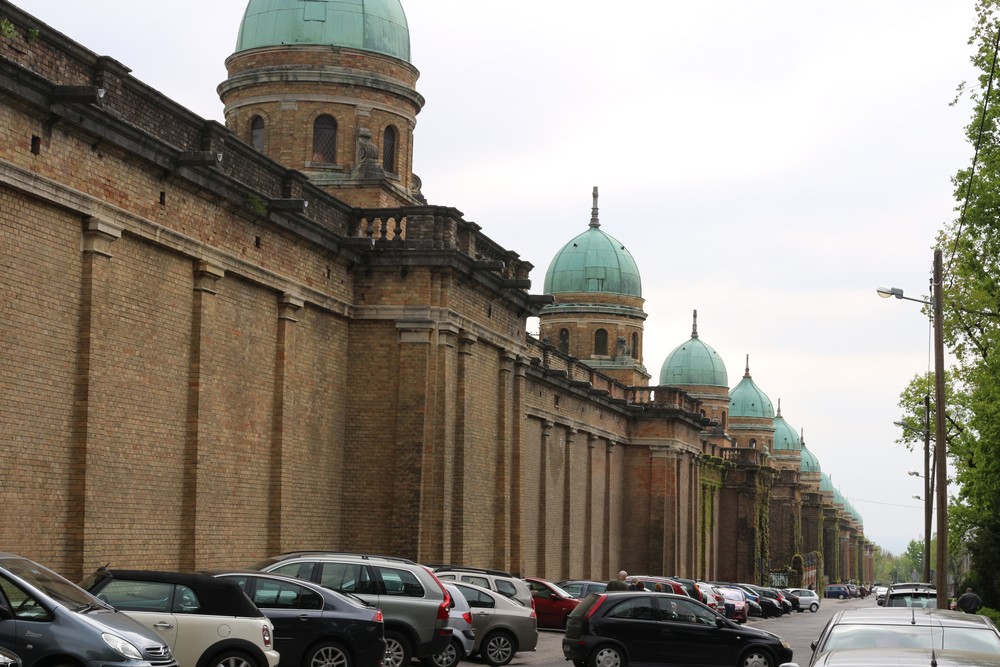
(593,262)
(809,461)
(367,25)
(825,483)
(694,363)
(785,437)
(747,400)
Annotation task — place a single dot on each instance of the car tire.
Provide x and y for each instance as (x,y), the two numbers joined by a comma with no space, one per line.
(232,659)
(450,656)
(327,654)
(814,607)
(498,648)
(843,596)
(607,656)
(756,657)
(397,650)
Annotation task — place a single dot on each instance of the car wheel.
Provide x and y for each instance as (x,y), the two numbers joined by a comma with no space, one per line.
(233,659)
(449,657)
(756,657)
(397,650)
(327,654)
(843,596)
(497,649)
(814,607)
(607,656)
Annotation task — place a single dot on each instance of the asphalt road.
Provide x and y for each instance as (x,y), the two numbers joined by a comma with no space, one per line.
(800,630)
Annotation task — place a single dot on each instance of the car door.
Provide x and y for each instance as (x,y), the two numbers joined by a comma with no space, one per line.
(295,611)
(25,624)
(548,610)
(633,623)
(482,606)
(690,635)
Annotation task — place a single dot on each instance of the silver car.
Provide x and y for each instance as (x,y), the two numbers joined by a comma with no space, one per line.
(503,625)
(463,635)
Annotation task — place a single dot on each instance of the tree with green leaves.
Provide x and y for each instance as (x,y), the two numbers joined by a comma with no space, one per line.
(971,302)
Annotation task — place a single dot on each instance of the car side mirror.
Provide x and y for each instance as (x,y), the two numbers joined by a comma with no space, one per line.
(720,622)
(813,646)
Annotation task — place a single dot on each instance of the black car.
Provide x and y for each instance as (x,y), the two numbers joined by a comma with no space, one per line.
(314,625)
(647,628)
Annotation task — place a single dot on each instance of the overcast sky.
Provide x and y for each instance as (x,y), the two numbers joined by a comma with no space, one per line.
(767,163)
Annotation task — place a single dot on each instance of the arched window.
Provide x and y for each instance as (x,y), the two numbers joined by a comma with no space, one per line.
(257,133)
(601,342)
(753,443)
(564,341)
(325,140)
(389,140)
(635,346)
(724,419)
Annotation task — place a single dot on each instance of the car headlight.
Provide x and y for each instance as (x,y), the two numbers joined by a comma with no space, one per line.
(786,644)
(121,646)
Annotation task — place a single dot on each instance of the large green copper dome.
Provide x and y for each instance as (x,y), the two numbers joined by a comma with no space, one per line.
(694,363)
(747,400)
(593,262)
(368,25)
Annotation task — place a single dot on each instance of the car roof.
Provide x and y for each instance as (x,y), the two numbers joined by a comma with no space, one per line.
(222,597)
(284,578)
(496,596)
(337,555)
(910,616)
(906,657)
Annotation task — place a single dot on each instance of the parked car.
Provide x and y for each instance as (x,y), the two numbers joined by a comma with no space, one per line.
(838,591)
(47,620)
(769,607)
(874,636)
(413,601)
(463,634)
(207,622)
(808,599)
(667,585)
(503,625)
(621,627)
(496,580)
(552,604)
(792,598)
(911,595)
(581,588)
(314,625)
(734,603)
(691,588)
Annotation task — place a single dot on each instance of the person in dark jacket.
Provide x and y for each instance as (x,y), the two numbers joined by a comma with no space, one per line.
(969,602)
(619,583)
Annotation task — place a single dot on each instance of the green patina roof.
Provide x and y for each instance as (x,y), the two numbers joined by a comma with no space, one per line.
(368,25)
(809,461)
(785,436)
(593,262)
(747,400)
(825,483)
(694,363)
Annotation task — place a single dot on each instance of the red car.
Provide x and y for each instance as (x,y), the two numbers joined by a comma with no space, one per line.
(667,585)
(552,604)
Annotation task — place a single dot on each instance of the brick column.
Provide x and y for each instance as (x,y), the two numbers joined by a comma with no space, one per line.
(543,478)
(568,523)
(93,359)
(454,463)
(516,481)
(501,480)
(288,308)
(590,538)
(609,568)
(203,323)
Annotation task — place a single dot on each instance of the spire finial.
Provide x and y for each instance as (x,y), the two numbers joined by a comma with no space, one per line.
(694,327)
(594,220)
(747,374)
(779,407)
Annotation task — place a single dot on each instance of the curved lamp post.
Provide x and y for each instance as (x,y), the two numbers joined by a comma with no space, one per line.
(940,449)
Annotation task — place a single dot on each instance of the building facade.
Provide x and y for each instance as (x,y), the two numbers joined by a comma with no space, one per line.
(224,342)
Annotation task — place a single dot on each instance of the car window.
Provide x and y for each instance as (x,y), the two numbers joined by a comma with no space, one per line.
(299,570)
(400,582)
(506,588)
(477,599)
(573,589)
(283,595)
(348,578)
(185,601)
(680,610)
(23,605)
(137,595)
(639,608)
(478,581)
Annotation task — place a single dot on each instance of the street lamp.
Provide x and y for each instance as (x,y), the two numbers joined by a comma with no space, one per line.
(940,449)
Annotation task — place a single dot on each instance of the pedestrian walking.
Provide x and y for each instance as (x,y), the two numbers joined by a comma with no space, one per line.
(969,602)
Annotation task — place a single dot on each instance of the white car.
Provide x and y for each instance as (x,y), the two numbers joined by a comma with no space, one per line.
(207,622)
(808,599)
(463,636)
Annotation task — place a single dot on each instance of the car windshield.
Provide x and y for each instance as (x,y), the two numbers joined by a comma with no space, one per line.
(59,589)
(982,640)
